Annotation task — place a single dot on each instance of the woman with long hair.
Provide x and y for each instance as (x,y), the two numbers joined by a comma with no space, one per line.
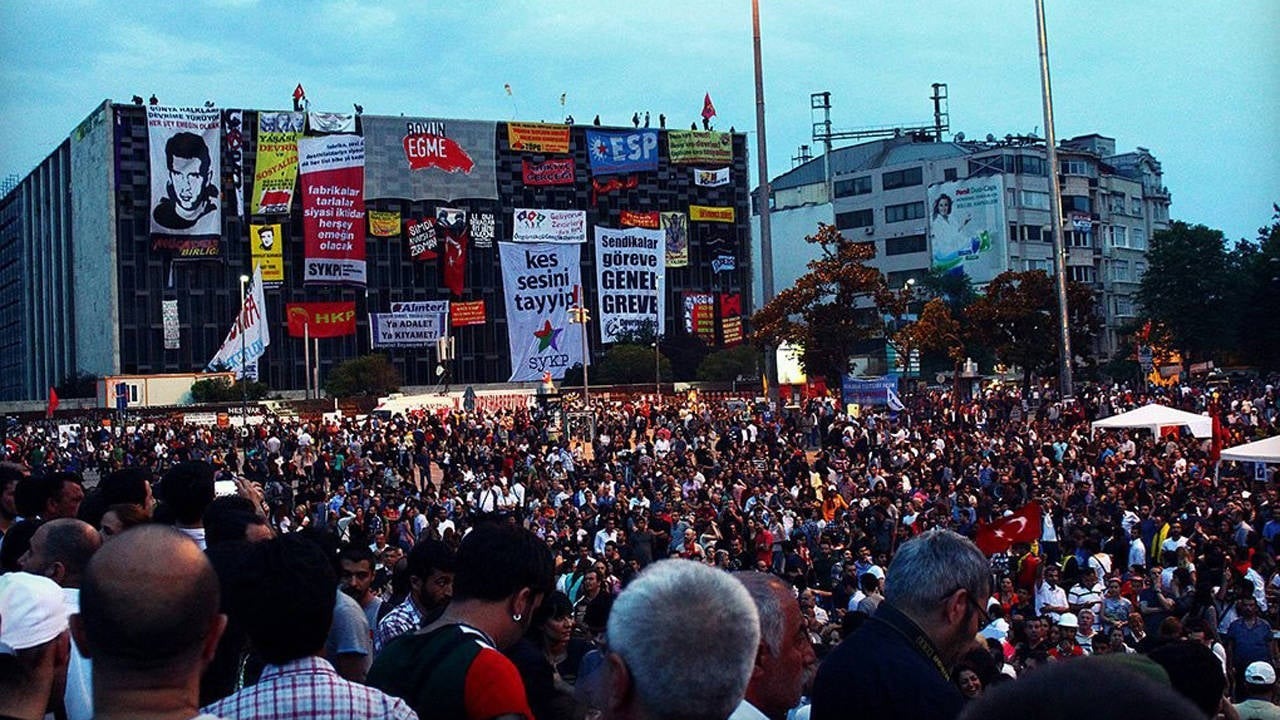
(542,657)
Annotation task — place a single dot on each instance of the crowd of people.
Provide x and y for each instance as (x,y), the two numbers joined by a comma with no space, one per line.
(804,561)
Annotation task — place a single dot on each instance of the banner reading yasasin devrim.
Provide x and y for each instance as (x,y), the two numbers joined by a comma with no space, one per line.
(690,146)
(331,168)
(966,227)
(275,170)
(629,268)
(538,281)
(186,171)
(429,158)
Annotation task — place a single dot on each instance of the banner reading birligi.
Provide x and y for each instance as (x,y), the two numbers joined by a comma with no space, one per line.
(266,245)
(675,226)
(629,267)
(691,146)
(333,222)
(538,137)
(538,281)
(275,170)
(186,169)
(557,171)
(430,159)
(553,226)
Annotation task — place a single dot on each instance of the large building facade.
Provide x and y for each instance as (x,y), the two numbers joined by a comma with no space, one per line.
(885,192)
(86,288)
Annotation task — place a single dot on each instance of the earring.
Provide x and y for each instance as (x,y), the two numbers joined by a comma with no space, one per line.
(516,618)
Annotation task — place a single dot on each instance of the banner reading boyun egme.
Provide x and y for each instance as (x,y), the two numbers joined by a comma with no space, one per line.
(630,264)
(186,172)
(429,159)
(331,168)
(538,281)
(967,227)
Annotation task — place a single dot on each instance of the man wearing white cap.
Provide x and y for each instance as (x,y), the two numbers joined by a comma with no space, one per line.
(34,645)
(1258,691)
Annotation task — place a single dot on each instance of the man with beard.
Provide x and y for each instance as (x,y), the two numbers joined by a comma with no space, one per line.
(430,571)
(357,566)
(189,192)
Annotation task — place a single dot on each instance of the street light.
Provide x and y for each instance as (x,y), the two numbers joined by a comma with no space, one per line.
(581,315)
(244,355)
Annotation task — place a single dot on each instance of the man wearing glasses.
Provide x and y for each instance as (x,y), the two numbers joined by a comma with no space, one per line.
(898,663)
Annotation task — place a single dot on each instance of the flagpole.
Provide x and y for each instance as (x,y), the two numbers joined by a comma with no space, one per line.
(306,355)
(316,380)
(762,205)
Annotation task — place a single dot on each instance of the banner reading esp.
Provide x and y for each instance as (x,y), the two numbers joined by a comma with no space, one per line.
(689,146)
(333,223)
(186,168)
(430,159)
(538,280)
(266,248)
(275,171)
(629,267)
(613,152)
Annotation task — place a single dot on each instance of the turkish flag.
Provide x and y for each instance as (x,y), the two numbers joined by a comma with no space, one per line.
(1021,526)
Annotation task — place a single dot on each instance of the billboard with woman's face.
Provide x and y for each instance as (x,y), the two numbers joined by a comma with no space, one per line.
(967,227)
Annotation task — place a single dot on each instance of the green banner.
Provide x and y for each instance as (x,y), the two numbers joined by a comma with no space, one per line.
(694,146)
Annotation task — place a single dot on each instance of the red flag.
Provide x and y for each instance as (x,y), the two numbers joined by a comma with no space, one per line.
(1021,526)
(299,93)
(451,228)
(708,110)
(326,319)
(1215,447)
(53,404)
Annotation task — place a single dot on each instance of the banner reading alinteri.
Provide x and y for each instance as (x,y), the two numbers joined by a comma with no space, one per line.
(691,146)
(538,137)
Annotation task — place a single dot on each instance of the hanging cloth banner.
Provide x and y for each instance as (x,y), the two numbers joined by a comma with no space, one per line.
(483,230)
(463,314)
(331,122)
(551,226)
(451,228)
(169,315)
(703,213)
(690,146)
(613,152)
(538,137)
(612,185)
(731,318)
(266,247)
(538,281)
(675,226)
(557,171)
(186,170)
(275,170)
(384,224)
(405,329)
(237,352)
(710,178)
(430,159)
(424,244)
(233,155)
(629,268)
(321,319)
(648,220)
(332,172)
(700,316)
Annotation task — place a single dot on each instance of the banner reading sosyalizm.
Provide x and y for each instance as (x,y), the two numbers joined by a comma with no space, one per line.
(275,170)
(967,227)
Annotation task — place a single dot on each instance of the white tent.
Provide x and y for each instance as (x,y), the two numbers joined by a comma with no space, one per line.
(1153,417)
(1261,451)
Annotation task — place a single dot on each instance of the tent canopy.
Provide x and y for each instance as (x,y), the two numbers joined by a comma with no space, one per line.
(1153,417)
(1262,451)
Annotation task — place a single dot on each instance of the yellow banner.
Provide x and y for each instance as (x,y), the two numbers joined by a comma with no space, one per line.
(275,171)
(692,146)
(266,245)
(384,224)
(704,213)
(538,137)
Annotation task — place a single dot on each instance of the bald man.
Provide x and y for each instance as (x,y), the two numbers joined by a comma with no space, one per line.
(60,550)
(149,620)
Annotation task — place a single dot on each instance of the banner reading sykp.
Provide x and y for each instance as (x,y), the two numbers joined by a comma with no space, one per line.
(629,267)
(538,281)
(333,222)
(186,170)
(551,226)
(237,352)
(275,170)
(266,245)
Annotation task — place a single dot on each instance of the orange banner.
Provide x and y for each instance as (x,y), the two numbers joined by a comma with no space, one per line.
(466,313)
(538,137)
(640,219)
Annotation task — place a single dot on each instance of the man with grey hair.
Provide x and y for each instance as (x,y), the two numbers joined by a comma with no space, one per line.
(898,664)
(682,641)
(785,659)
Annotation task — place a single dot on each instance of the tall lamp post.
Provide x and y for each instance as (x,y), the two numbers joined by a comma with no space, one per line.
(762,202)
(244,355)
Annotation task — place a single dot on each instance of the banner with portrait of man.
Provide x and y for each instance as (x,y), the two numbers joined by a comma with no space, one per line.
(265,247)
(186,170)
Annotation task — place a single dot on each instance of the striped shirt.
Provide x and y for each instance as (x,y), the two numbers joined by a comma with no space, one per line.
(309,688)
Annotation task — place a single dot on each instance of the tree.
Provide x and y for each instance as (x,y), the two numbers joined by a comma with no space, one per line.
(935,330)
(821,312)
(727,365)
(1184,290)
(1255,268)
(221,389)
(367,375)
(1018,319)
(78,385)
(629,364)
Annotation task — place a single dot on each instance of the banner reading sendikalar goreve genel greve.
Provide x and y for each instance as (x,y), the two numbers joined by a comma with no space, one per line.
(538,281)
(331,168)
(186,171)
(630,264)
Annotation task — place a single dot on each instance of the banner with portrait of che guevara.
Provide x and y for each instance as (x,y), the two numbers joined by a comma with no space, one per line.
(186,171)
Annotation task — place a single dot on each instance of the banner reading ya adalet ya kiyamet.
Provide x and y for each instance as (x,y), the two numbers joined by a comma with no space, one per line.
(538,282)
(967,227)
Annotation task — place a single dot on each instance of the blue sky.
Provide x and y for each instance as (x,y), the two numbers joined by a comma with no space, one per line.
(1196,83)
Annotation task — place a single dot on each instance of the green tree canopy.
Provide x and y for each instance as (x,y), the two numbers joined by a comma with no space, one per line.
(366,375)
(727,365)
(1185,288)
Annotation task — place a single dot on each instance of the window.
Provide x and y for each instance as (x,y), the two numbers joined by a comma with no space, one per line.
(1120,271)
(1136,207)
(1116,203)
(1119,236)
(1075,167)
(902,178)
(905,211)
(1041,265)
(898,278)
(948,174)
(1139,239)
(1081,274)
(853,186)
(854,219)
(1076,203)
(1139,269)
(1031,165)
(987,165)
(1035,200)
(904,245)
(1075,238)
(1124,306)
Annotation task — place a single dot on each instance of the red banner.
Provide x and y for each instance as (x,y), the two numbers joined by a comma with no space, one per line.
(451,228)
(1021,526)
(423,243)
(462,314)
(326,319)
(331,168)
(558,171)
(731,318)
(613,184)
(640,219)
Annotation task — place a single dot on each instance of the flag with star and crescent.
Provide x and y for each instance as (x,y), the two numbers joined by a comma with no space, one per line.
(1022,525)
(538,282)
